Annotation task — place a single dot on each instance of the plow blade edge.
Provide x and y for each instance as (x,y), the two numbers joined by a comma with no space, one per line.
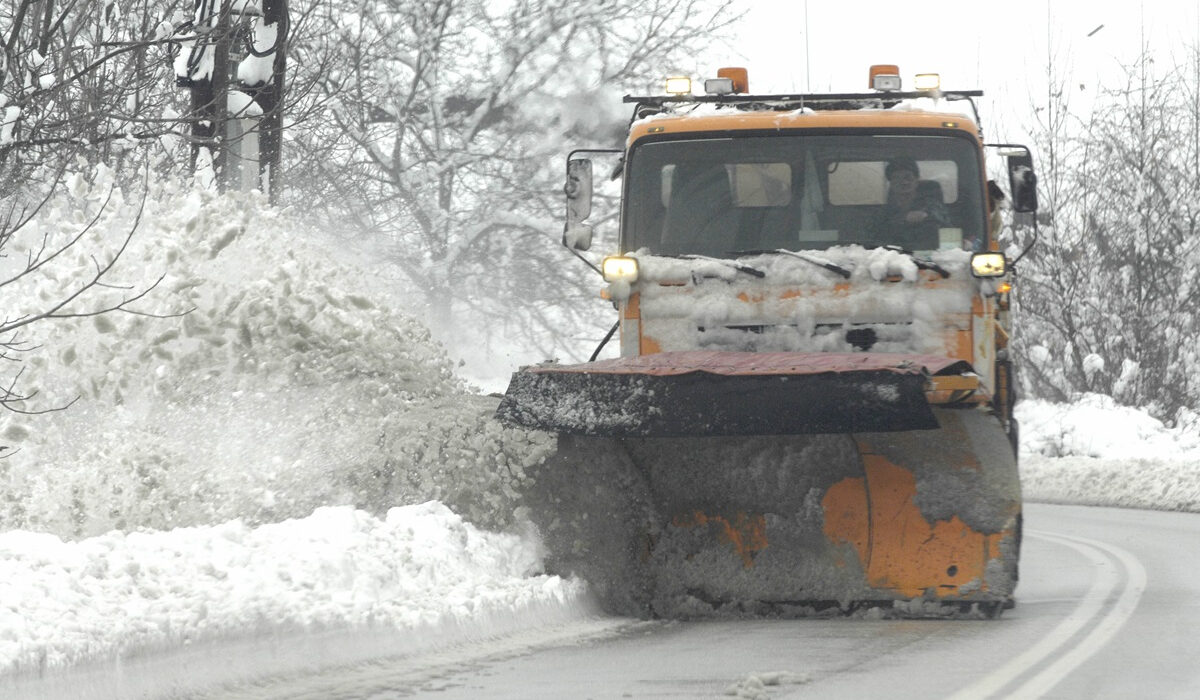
(701,393)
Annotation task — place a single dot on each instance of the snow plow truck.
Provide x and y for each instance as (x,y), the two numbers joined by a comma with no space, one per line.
(812,410)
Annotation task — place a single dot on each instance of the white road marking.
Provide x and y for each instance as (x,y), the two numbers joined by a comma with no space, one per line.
(1090,608)
(1135,585)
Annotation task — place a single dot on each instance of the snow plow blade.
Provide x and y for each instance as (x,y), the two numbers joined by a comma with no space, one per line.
(696,484)
(893,524)
(700,393)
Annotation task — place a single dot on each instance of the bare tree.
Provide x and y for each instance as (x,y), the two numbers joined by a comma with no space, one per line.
(108,80)
(91,294)
(447,123)
(1053,278)
(81,78)
(81,81)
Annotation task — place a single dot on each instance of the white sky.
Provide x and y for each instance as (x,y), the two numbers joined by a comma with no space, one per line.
(997,47)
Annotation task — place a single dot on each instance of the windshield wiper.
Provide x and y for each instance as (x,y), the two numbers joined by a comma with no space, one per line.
(819,262)
(754,271)
(921,263)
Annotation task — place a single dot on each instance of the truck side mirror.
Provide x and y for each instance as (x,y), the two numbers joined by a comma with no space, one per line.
(578,189)
(1022,182)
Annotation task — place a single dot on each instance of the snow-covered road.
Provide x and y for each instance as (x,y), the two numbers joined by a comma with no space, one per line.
(1108,605)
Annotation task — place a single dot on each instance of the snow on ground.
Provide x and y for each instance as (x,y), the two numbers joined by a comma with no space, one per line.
(337,567)
(1094,452)
(291,471)
(418,578)
(284,386)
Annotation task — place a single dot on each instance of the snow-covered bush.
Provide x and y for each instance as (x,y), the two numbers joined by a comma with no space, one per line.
(1097,426)
(1107,296)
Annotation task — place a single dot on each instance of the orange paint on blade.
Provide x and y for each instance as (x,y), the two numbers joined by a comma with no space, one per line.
(899,549)
(847,518)
(747,534)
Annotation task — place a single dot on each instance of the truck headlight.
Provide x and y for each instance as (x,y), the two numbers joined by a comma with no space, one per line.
(620,268)
(988,265)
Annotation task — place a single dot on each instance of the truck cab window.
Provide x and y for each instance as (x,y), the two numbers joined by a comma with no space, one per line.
(716,196)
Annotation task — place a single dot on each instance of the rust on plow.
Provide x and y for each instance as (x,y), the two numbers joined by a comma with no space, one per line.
(747,534)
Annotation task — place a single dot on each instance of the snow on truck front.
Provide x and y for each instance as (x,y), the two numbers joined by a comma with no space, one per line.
(779,232)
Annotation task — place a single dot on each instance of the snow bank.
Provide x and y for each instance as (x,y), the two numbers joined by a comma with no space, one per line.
(418,578)
(1095,452)
(280,381)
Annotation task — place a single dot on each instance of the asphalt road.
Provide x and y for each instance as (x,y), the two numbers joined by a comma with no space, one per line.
(1108,607)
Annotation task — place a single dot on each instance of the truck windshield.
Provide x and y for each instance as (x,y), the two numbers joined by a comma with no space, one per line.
(722,196)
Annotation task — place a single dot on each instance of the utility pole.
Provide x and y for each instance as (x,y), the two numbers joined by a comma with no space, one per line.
(270,98)
(210,73)
(218,106)
(206,74)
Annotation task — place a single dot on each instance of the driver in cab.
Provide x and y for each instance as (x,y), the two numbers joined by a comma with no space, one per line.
(914,210)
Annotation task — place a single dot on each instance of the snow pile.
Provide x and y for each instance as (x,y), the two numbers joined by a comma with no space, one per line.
(263,409)
(419,574)
(1095,452)
(259,304)
(1096,426)
(274,386)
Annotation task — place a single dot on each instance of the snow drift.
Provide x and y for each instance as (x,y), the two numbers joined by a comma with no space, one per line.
(1095,452)
(419,567)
